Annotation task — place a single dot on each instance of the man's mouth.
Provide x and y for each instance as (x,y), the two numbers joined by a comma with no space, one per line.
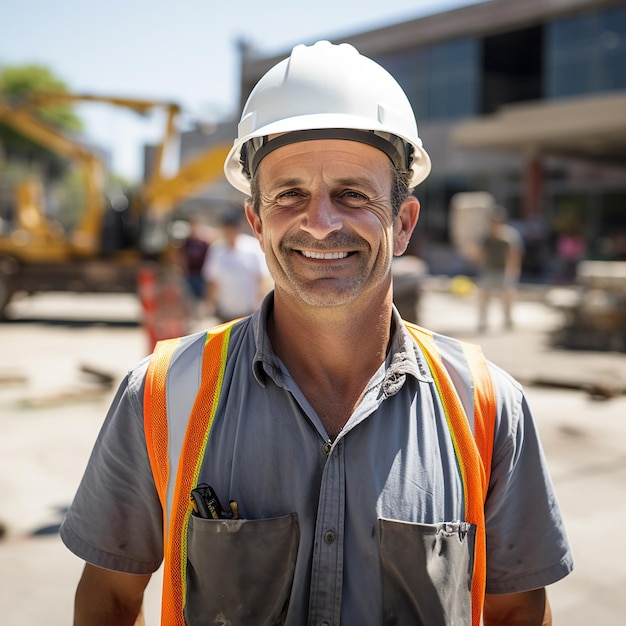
(324,255)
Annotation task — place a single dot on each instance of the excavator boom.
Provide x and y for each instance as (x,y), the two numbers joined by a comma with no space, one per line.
(44,260)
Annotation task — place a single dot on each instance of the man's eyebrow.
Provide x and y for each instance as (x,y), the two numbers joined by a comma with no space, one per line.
(286,182)
(359,182)
(355,181)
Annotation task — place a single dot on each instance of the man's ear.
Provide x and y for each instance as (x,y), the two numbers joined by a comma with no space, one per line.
(405,223)
(255,223)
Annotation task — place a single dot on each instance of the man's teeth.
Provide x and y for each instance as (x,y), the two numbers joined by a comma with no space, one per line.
(325,255)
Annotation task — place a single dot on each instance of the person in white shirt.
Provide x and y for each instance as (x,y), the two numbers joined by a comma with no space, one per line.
(235,271)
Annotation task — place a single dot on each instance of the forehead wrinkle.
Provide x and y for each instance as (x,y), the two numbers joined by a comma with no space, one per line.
(288,181)
(361,182)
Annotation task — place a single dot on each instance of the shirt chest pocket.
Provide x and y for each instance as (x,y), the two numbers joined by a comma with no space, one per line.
(426,572)
(227,560)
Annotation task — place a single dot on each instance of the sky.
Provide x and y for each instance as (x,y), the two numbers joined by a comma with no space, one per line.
(182,50)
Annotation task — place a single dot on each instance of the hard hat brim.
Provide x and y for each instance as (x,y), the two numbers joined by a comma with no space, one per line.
(420,166)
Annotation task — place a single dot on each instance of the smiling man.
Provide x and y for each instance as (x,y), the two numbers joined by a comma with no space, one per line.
(321,461)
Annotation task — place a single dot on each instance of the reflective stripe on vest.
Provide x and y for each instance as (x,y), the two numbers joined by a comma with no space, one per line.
(177,432)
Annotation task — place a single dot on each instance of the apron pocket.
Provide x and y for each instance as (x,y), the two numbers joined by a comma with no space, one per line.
(240,572)
(426,572)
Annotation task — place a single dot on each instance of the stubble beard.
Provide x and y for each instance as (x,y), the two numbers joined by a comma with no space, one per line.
(327,290)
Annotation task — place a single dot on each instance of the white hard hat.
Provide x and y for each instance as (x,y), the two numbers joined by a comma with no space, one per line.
(326,91)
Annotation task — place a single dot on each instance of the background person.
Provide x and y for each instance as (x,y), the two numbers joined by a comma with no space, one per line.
(235,271)
(321,417)
(500,259)
(192,254)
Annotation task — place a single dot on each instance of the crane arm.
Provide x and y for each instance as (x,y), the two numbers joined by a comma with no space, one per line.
(138,105)
(196,173)
(43,134)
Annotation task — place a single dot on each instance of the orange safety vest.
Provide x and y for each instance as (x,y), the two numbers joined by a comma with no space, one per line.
(473,450)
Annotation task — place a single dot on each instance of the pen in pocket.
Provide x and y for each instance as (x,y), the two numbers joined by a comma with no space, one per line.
(207,505)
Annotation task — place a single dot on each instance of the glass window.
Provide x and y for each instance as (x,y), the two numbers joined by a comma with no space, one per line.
(441,81)
(586,53)
(453,78)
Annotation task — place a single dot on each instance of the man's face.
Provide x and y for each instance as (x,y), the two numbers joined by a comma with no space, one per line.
(325,221)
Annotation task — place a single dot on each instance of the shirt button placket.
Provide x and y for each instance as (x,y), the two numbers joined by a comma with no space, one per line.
(327,568)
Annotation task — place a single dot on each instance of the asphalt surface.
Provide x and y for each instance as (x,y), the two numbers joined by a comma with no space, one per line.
(51,410)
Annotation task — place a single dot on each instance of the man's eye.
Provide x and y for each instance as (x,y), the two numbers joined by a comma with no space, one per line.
(353,198)
(289,198)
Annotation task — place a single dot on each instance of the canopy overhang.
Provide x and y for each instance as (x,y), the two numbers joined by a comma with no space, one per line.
(590,127)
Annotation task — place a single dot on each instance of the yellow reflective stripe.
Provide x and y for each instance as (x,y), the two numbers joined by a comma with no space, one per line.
(194,447)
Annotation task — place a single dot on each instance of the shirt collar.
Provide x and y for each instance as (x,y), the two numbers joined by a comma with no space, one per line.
(265,362)
(404,356)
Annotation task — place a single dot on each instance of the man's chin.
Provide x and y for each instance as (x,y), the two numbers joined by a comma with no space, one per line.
(328,293)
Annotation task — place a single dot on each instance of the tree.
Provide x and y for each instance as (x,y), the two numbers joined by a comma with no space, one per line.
(15,83)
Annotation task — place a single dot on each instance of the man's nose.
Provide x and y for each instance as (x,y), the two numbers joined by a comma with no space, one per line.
(321,217)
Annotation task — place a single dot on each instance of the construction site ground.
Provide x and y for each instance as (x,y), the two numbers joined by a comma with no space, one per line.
(62,356)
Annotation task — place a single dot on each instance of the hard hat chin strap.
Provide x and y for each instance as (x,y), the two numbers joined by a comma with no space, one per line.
(399,151)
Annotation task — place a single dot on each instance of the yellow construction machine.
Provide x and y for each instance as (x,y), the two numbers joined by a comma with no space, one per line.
(104,249)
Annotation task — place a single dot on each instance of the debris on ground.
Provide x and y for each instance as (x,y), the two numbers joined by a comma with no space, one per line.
(600,387)
(11,377)
(101,383)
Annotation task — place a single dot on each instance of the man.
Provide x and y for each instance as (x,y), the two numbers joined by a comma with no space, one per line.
(500,259)
(235,271)
(358,492)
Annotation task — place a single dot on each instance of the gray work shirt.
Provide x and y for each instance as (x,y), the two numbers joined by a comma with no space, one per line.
(349,531)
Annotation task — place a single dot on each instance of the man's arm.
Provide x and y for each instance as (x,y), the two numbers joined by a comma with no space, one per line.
(529,608)
(104,597)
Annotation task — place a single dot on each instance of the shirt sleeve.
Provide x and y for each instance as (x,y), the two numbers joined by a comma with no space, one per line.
(115,520)
(527,546)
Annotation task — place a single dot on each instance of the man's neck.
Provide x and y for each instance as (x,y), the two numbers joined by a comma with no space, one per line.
(335,349)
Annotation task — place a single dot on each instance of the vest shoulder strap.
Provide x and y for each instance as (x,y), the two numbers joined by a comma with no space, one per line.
(482,386)
(176,513)
(473,450)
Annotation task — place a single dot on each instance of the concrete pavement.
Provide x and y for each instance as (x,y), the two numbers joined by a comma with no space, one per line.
(50,413)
